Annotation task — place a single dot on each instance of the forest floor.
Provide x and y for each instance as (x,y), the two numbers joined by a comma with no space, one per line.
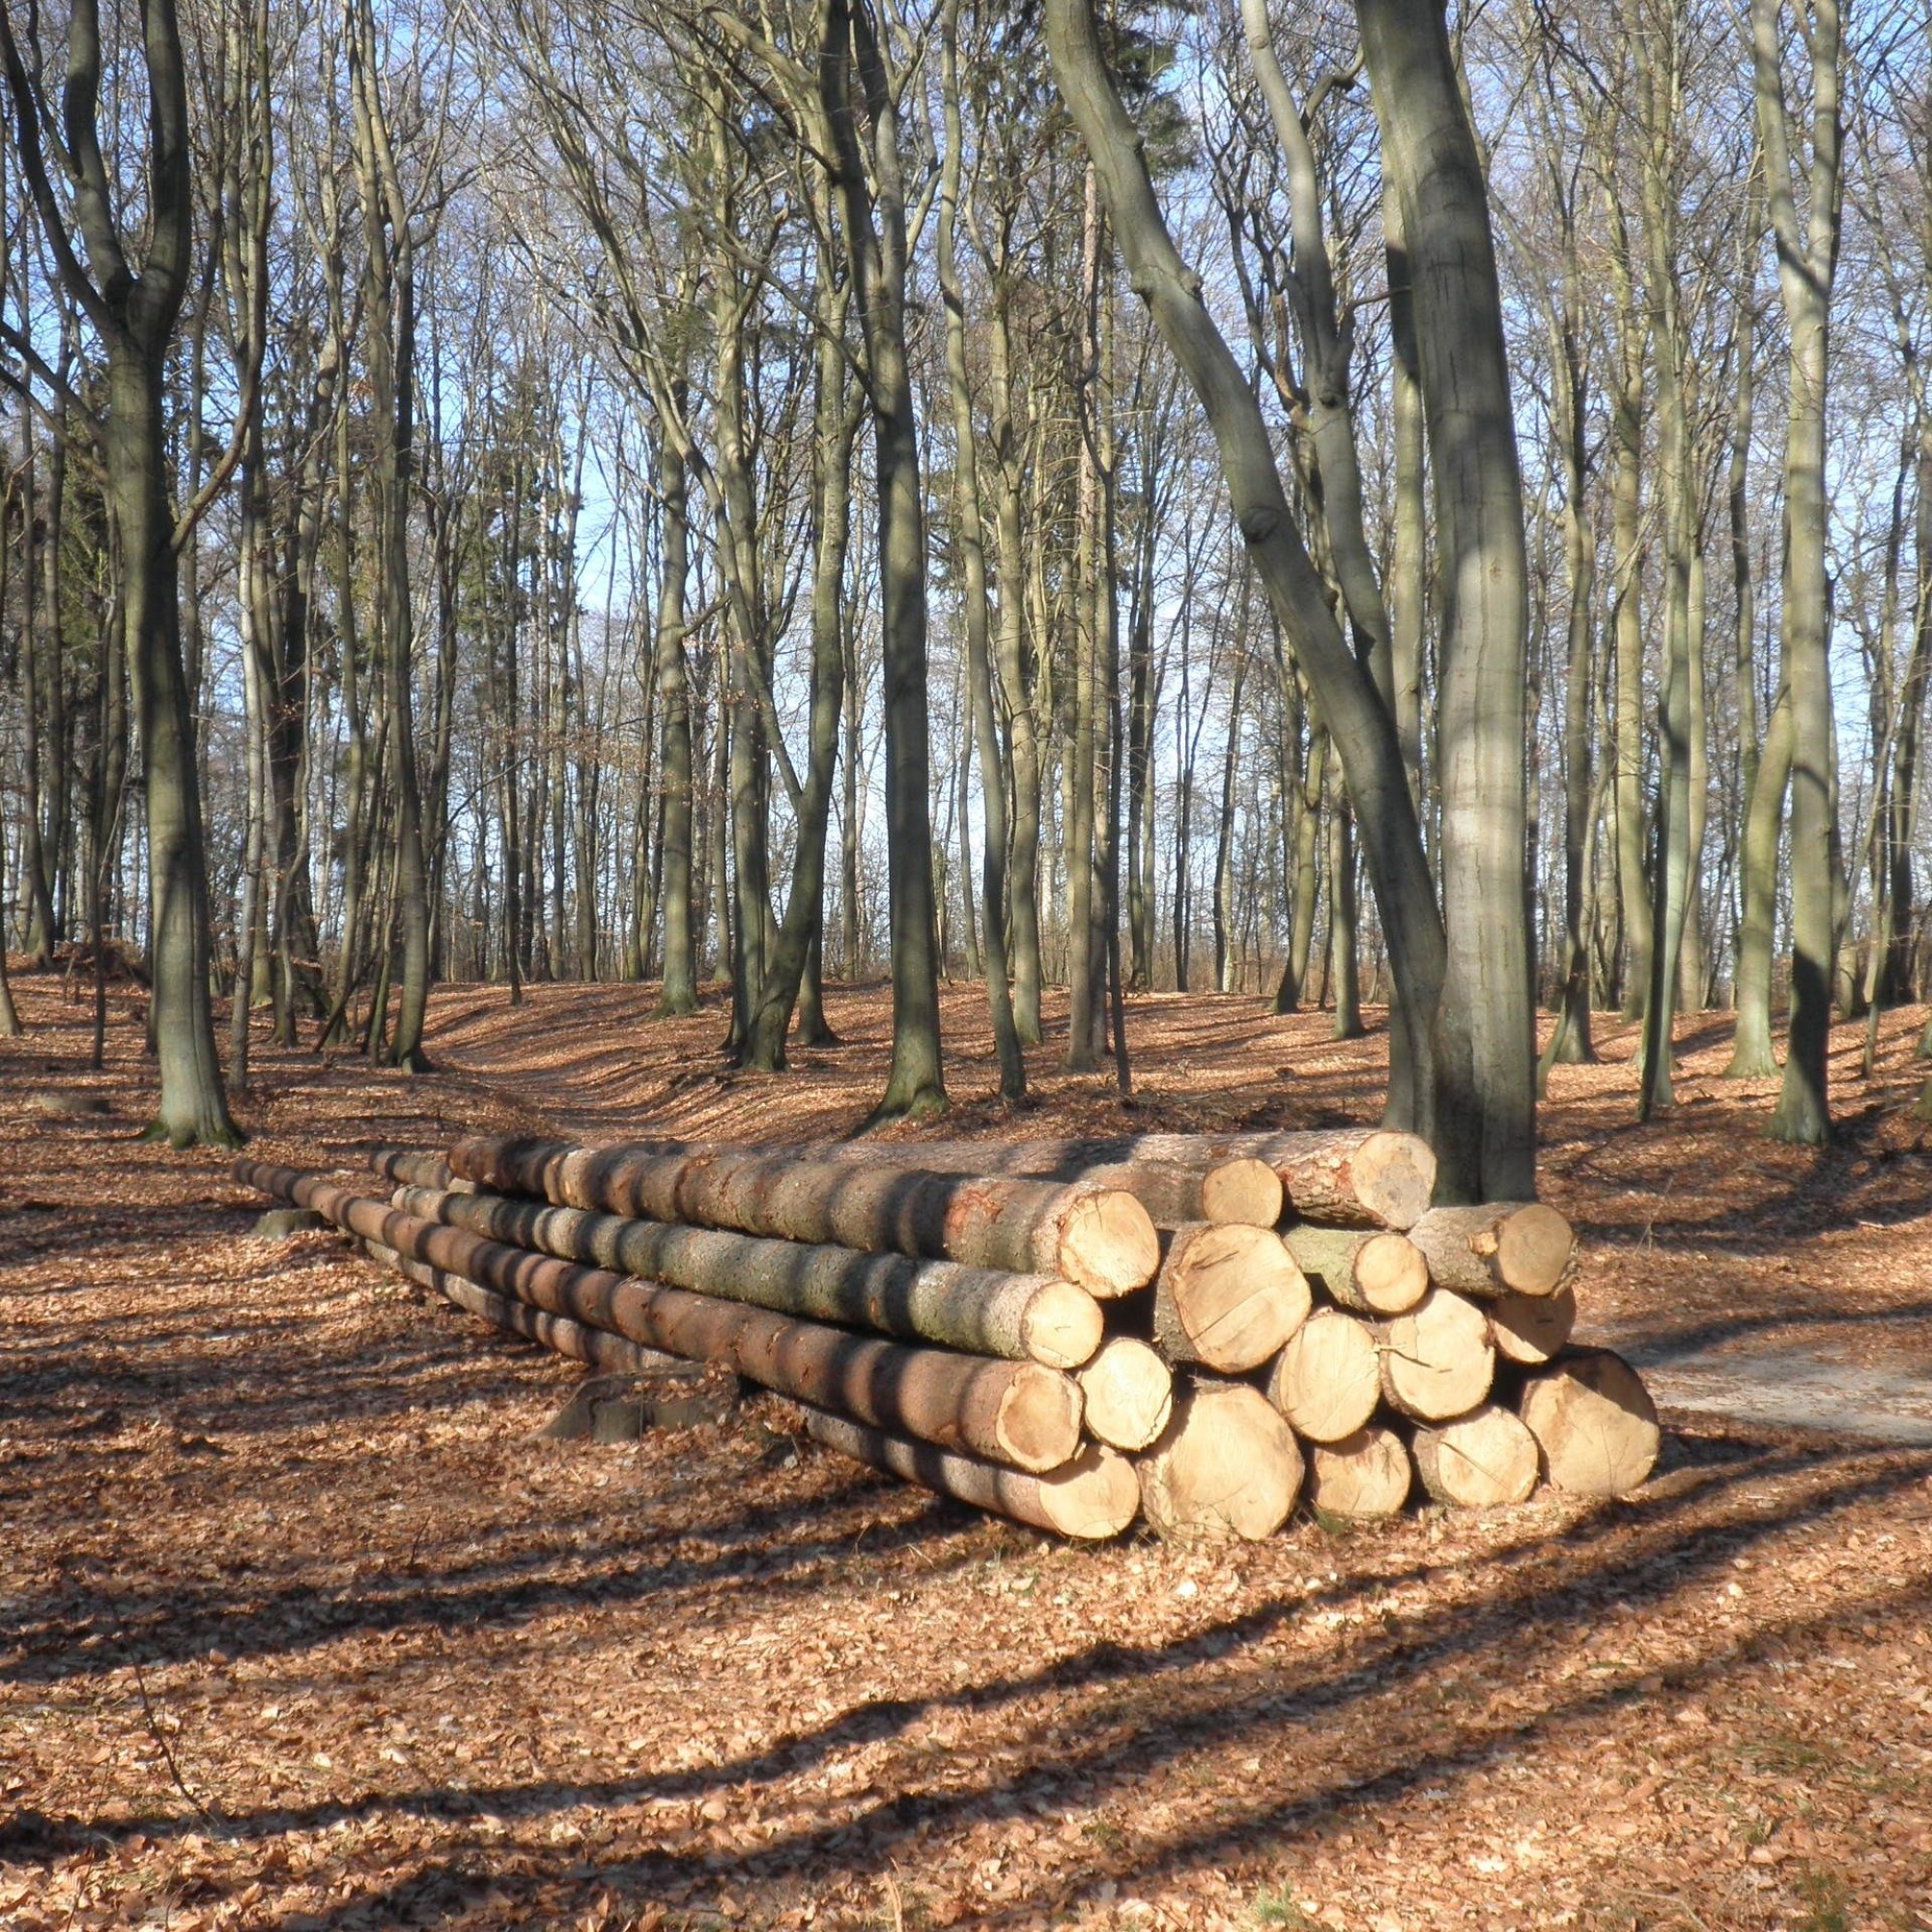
(303,1626)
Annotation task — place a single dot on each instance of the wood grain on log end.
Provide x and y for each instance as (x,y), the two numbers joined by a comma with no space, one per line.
(1038,1421)
(1243,1191)
(1438,1360)
(1531,1328)
(1364,1475)
(1228,1296)
(1128,1391)
(1061,1325)
(1594,1421)
(1094,1497)
(1395,1177)
(1327,1379)
(1479,1461)
(1108,1245)
(1227,1464)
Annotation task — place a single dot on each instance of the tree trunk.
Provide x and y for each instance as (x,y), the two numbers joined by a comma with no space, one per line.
(876,209)
(1807,261)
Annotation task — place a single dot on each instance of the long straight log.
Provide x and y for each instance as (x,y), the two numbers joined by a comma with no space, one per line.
(1093,1497)
(594,1347)
(416,1167)
(1502,1248)
(1016,1412)
(1348,1176)
(1227,1297)
(1017,1317)
(1097,1238)
(1373,1273)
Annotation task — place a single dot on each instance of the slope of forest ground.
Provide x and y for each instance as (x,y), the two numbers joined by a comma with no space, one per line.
(303,1627)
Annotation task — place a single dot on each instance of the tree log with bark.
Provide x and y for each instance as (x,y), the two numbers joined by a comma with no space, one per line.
(980,1311)
(1016,1412)
(1097,1238)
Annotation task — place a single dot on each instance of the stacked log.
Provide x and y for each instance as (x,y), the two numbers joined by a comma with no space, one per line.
(1202,1329)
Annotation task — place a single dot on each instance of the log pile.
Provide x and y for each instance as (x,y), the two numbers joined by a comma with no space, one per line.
(1198,1330)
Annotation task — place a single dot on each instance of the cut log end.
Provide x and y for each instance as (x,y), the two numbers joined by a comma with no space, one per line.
(1094,1497)
(1438,1360)
(1327,1381)
(1128,1391)
(1391,1275)
(1228,1296)
(1061,1326)
(1245,1192)
(1227,1464)
(1479,1461)
(1365,1474)
(1534,1246)
(1595,1423)
(1395,1179)
(1038,1427)
(1531,1328)
(1108,1245)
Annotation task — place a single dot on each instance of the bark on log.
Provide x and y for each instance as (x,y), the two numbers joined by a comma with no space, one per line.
(1093,1497)
(1594,1421)
(1438,1360)
(1378,1273)
(1350,1177)
(1227,1297)
(1097,1238)
(1366,1474)
(1225,1465)
(1328,1379)
(595,1347)
(1016,1412)
(1478,1461)
(1531,1328)
(416,1167)
(1019,1318)
(1503,1248)
(1128,1392)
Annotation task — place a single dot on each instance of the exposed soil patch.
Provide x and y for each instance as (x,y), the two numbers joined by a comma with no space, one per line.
(304,1624)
